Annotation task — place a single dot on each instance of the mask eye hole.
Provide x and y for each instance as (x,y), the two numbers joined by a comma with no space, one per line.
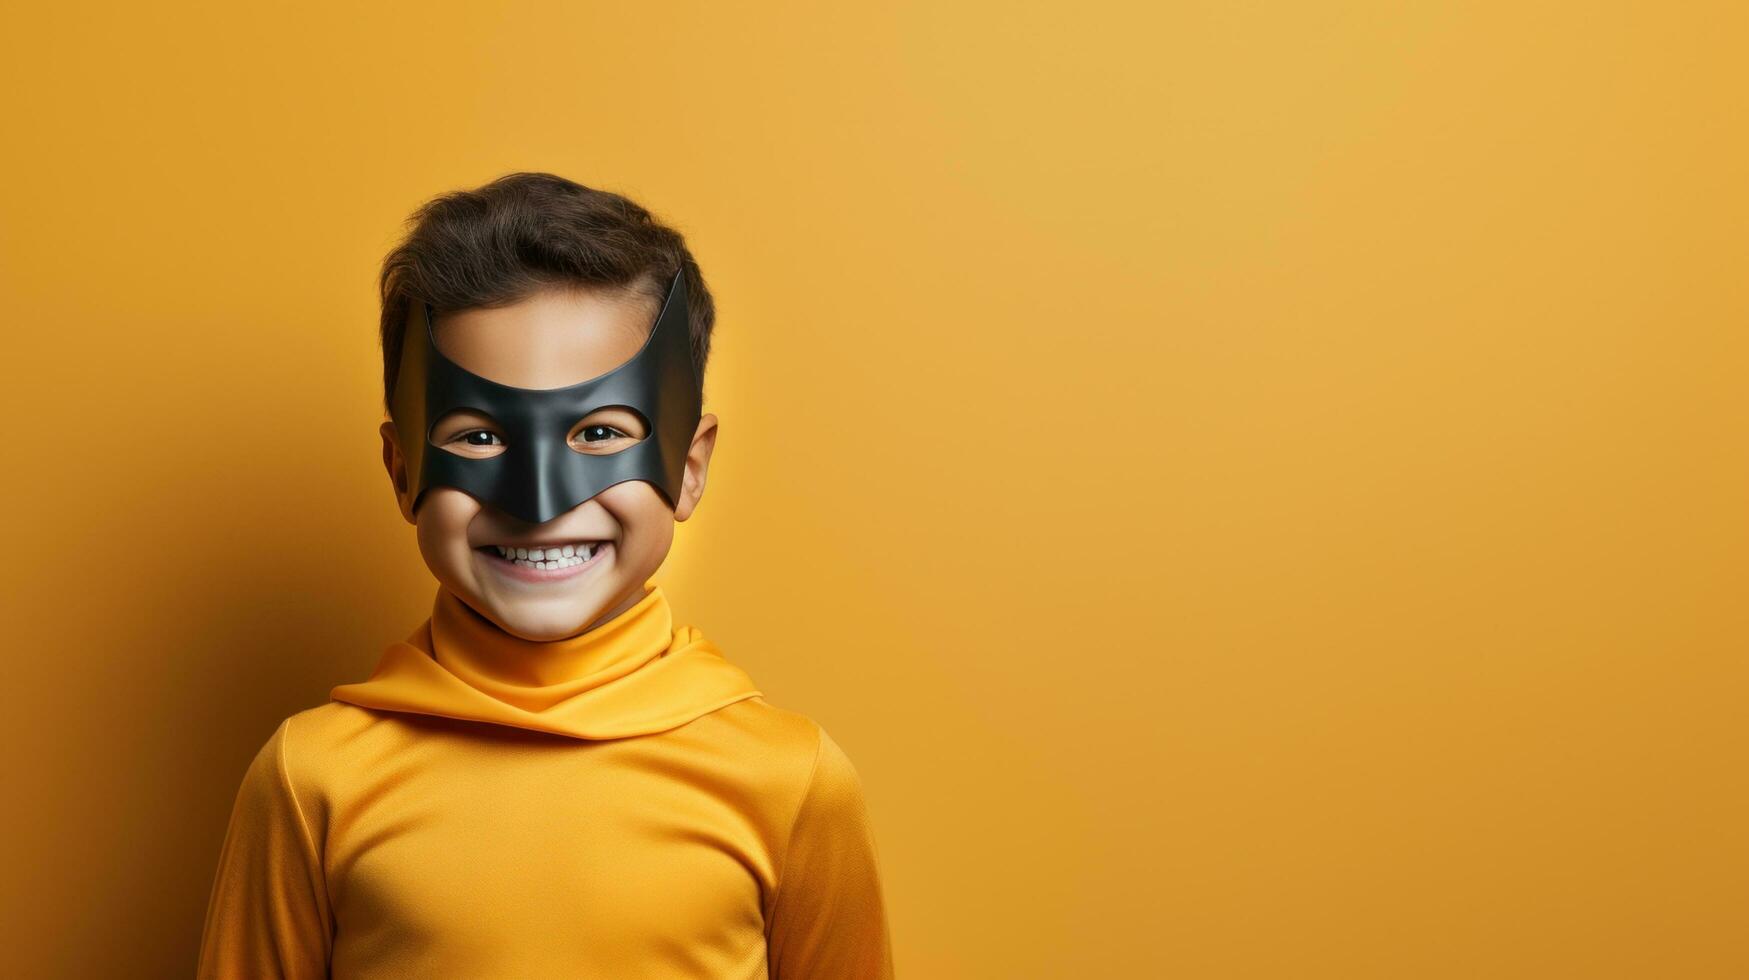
(609,430)
(468,433)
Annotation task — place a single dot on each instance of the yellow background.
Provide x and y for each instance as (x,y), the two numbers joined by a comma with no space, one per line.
(1257,489)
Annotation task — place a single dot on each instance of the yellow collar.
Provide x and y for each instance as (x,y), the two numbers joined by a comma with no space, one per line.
(632,675)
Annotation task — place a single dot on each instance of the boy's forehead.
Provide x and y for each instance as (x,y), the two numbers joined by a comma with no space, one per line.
(554,338)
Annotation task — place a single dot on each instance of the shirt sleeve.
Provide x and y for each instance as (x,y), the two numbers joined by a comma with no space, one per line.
(829,918)
(268,915)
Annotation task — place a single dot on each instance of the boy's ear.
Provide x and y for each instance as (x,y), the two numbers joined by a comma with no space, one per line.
(698,463)
(397,467)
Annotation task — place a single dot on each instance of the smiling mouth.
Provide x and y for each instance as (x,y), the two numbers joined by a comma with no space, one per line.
(549,558)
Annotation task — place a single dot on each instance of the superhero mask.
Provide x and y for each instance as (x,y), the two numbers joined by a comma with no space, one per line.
(538,476)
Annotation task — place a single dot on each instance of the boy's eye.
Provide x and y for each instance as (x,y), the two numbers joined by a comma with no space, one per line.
(608,431)
(485,438)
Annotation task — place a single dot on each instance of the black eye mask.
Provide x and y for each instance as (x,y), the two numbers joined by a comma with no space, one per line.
(538,475)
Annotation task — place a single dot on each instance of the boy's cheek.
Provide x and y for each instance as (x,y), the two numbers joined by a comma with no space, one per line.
(443,519)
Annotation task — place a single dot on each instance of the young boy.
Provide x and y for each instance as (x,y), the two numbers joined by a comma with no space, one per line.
(548,777)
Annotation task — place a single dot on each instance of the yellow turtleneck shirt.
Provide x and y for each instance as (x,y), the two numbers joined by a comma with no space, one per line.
(619,804)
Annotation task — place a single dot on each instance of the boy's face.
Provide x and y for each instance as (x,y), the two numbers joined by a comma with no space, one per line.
(554,338)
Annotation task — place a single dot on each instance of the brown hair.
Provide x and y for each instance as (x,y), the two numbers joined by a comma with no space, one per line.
(523,232)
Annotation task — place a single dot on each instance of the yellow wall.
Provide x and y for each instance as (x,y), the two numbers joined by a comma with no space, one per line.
(1258,489)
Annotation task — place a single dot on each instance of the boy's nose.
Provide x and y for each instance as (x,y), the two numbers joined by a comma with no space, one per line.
(537,488)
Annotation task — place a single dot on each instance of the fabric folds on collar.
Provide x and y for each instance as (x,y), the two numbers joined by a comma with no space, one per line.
(635,674)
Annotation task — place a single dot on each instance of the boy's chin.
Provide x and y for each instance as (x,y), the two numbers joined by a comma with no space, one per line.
(543,611)
(542,618)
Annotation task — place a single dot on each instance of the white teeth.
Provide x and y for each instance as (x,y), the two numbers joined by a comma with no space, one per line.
(558,556)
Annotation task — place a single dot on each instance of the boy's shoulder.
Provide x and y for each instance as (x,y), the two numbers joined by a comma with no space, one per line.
(761,719)
(770,729)
(325,725)
(304,740)
(803,747)
(811,771)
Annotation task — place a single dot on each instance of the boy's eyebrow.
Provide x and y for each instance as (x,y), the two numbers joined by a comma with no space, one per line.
(467,413)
